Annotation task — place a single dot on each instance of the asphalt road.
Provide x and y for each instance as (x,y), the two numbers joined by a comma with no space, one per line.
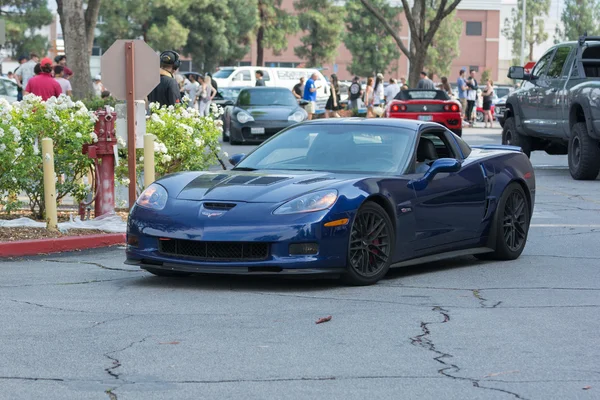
(84,326)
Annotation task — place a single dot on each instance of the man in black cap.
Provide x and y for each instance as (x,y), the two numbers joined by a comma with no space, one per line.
(166,93)
(354,93)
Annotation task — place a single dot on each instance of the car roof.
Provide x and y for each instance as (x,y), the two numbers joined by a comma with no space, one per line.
(391,122)
(265,88)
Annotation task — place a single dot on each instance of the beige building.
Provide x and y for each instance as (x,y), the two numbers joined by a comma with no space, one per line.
(478,44)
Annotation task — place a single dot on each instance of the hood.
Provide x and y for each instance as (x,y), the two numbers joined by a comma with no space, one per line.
(279,113)
(255,187)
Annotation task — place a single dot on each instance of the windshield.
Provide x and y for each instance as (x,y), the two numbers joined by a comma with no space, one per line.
(266,97)
(229,93)
(422,95)
(11,88)
(367,148)
(223,73)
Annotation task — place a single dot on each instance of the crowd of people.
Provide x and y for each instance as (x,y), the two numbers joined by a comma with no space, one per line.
(47,78)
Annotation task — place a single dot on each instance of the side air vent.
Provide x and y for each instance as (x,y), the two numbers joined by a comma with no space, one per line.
(267,180)
(219,178)
(313,180)
(218,206)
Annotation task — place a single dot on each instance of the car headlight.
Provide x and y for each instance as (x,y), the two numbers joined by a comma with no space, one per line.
(244,117)
(154,197)
(315,201)
(298,116)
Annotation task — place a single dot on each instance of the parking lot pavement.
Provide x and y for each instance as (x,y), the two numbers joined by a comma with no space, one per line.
(83,325)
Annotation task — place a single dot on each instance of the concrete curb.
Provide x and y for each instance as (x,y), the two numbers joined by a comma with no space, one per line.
(72,243)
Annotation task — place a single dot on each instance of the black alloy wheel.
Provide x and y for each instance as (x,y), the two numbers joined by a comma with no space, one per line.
(371,245)
(515,221)
(584,154)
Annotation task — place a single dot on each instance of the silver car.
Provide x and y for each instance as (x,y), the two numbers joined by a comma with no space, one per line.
(8,89)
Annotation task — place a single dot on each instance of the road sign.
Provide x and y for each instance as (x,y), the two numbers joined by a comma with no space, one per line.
(2,32)
(146,69)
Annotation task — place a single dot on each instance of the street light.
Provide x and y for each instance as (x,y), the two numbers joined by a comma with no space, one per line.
(523,19)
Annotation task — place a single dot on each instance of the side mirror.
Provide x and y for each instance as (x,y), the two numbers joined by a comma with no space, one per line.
(302,102)
(439,166)
(517,73)
(236,158)
(228,103)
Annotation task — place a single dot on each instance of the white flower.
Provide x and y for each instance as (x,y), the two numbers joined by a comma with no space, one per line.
(94,137)
(225,154)
(18,152)
(47,157)
(126,181)
(121,142)
(2,147)
(167,158)
(36,150)
(154,106)
(78,135)
(142,159)
(156,118)
(1,133)
(199,142)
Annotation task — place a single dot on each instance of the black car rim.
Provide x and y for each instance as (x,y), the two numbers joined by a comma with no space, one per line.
(515,221)
(369,244)
(576,151)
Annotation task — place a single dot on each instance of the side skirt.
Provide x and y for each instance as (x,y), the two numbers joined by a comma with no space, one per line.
(443,256)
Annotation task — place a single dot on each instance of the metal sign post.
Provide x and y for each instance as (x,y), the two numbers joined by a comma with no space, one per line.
(2,32)
(131,158)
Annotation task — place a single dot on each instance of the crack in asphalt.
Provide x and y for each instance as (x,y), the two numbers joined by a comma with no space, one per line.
(559,256)
(94,264)
(483,301)
(48,307)
(449,370)
(116,363)
(64,283)
(589,231)
(25,378)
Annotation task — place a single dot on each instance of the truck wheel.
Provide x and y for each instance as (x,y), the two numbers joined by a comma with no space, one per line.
(510,136)
(584,154)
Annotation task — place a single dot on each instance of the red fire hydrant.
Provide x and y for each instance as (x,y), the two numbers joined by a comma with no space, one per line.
(103,155)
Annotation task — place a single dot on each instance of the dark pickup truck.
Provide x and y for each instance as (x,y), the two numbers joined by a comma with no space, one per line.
(557,108)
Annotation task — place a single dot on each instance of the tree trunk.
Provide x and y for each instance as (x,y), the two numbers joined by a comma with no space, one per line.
(417,63)
(91,18)
(76,47)
(260,50)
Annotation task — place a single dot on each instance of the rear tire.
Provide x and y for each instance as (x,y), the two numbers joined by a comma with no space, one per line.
(167,274)
(584,154)
(510,136)
(511,225)
(370,247)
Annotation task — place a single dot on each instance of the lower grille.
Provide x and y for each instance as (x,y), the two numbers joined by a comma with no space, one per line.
(215,251)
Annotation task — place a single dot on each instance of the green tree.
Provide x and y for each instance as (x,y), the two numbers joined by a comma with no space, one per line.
(423,28)
(156,21)
(578,17)
(220,32)
(372,48)
(444,47)
(274,26)
(322,21)
(23,18)
(535,33)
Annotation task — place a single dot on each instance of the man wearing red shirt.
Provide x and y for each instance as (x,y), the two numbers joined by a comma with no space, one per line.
(44,84)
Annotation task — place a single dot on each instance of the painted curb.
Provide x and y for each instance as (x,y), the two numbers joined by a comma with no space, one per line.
(72,243)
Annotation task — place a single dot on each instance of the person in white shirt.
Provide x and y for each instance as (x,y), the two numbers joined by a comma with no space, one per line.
(98,86)
(391,91)
(65,85)
(191,88)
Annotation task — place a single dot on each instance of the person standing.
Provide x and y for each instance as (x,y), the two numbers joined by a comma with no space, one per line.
(333,103)
(355,92)
(369,97)
(259,78)
(98,86)
(192,88)
(44,85)
(488,95)
(207,93)
(62,61)
(471,99)
(391,91)
(445,86)
(425,83)
(65,85)
(310,95)
(298,89)
(402,81)
(166,93)
(378,96)
(462,93)
(26,71)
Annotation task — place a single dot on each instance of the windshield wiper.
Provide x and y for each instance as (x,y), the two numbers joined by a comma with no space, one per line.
(243,169)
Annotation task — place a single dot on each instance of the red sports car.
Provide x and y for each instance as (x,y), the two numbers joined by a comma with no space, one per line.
(426,105)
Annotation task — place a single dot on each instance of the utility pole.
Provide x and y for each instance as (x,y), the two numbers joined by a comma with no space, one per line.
(523,19)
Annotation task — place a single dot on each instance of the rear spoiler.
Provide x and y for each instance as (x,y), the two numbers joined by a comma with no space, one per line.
(498,147)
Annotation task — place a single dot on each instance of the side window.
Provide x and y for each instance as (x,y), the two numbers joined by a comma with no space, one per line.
(542,65)
(242,76)
(442,147)
(558,62)
(3,91)
(266,76)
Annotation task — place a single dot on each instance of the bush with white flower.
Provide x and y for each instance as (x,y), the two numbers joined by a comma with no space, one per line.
(185,141)
(23,125)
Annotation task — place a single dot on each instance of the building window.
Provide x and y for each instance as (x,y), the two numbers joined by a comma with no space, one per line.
(278,64)
(474,68)
(244,63)
(96,51)
(474,28)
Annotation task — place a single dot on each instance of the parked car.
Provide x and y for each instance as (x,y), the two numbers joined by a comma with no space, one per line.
(557,109)
(275,77)
(479,116)
(261,112)
(500,109)
(426,105)
(352,197)
(8,89)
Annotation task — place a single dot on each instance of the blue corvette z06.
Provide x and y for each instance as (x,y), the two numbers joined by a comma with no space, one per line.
(351,197)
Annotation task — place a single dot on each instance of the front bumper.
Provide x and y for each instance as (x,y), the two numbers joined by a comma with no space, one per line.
(245,224)
(243,132)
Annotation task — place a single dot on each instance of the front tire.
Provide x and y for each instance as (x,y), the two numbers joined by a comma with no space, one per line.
(371,246)
(511,225)
(510,136)
(167,274)
(584,154)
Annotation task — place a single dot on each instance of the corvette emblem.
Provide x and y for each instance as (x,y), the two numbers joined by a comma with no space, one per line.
(212,214)
(424,108)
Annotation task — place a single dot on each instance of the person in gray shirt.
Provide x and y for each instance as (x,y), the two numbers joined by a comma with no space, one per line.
(425,82)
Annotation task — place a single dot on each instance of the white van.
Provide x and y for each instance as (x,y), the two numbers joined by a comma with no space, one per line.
(280,77)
